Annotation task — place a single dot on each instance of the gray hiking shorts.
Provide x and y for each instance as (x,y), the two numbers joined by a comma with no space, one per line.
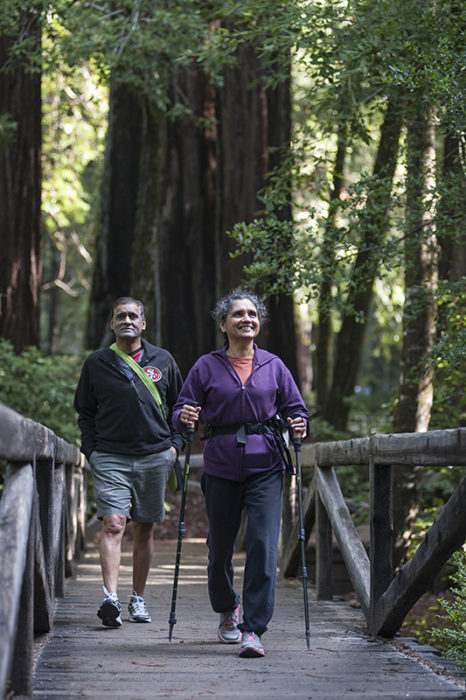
(133,486)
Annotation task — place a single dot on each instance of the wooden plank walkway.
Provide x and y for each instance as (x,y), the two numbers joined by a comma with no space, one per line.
(83,659)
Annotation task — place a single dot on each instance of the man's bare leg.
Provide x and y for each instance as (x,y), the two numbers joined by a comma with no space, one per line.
(143,549)
(113,528)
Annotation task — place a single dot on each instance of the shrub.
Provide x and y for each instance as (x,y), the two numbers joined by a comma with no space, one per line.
(41,387)
(455,634)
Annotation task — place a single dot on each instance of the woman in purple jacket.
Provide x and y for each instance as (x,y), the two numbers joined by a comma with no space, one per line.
(240,389)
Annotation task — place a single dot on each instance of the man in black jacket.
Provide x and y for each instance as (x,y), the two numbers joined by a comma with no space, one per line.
(128,440)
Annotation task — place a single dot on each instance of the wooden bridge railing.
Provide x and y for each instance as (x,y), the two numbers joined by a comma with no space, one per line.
(385,599)
(42,521)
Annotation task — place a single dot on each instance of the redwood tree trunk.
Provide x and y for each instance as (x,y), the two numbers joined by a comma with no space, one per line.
(187,227)
(112,270)
(351,335)
(412,413)
(20,193)
(241,159)
(252,119)
(172,190)
(280,334)
(451,214)
(323,352)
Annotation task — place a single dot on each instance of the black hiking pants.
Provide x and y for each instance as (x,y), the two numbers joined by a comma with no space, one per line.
(261,496)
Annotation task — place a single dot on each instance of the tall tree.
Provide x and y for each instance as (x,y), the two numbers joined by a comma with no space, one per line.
(112,270)
(412,412)
(254,121)
(20,181)
(187,180)
(451,214)
(184,214)
(324,340)
(281,334)
(373,230)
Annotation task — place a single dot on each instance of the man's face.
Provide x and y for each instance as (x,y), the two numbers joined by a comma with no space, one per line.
(127,322)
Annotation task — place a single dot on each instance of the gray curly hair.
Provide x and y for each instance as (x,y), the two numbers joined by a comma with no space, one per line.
(223,306)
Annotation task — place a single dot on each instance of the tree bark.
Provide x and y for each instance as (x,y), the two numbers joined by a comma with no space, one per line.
(172,189)
(324,344)
(412,412)
(184,249)
(241,159)
(20,191)
(112,271)
(280,335)
(451,212)
(254,131)
(351,335)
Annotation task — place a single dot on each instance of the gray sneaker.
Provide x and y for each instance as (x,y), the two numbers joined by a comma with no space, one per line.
(110,610)
(137,609)
(251,645)
(228,631)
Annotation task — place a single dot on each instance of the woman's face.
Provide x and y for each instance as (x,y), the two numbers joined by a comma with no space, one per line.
(242,321)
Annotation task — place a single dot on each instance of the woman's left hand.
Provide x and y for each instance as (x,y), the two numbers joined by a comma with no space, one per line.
(298,425)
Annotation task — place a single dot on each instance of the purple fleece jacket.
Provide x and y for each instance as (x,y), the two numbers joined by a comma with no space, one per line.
(215,386)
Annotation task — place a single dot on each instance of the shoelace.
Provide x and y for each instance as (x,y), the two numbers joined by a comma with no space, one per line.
(138,603)
(252,637)
(113,596)
(229,621)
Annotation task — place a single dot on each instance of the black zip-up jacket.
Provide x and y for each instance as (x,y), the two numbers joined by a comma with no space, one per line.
(118,414)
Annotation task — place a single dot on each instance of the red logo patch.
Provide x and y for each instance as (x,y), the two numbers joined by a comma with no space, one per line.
(153,373)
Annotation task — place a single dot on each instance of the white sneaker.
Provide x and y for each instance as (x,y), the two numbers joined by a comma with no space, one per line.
(137,609)
(251,645)
(110,610)
(228,631)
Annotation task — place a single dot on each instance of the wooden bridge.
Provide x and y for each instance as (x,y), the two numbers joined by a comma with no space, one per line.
(353,651)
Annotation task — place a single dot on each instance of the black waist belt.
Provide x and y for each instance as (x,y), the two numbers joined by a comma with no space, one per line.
(269,427)
(240,430)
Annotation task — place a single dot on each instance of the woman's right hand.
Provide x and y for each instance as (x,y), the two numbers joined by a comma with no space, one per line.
(189,415)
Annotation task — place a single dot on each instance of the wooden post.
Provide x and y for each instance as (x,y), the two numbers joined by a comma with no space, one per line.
(324,551)
(59,527)
(71,517)
(23,654)
(381,529)
(44,481)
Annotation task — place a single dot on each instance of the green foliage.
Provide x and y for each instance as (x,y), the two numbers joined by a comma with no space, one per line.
(418,623)
(41,388)
(74,123)
(449,357)
(141,44)
(454,635)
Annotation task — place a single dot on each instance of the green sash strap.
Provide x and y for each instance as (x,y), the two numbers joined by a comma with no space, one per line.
(142,376)
(172,482)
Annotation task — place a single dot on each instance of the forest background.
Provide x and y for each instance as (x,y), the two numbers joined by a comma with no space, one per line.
(311,150)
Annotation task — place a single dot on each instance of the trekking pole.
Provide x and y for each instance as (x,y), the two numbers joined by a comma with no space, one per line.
(181,530)
(302,535)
